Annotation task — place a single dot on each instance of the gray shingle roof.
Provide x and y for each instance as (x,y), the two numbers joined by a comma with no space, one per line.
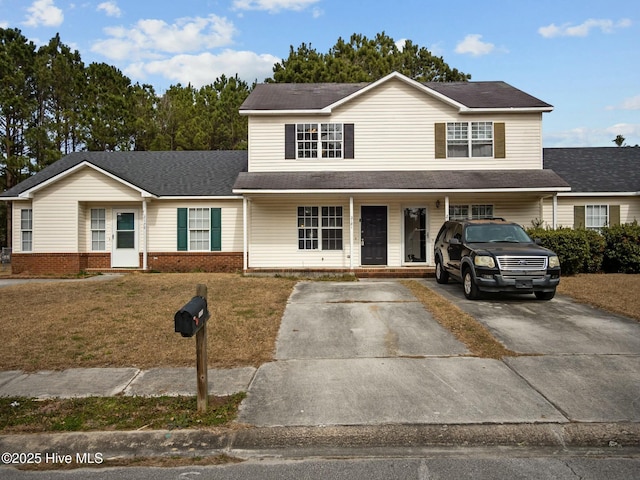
(487,95)
(401,180)
(596,169)
(185,173)
(315,96)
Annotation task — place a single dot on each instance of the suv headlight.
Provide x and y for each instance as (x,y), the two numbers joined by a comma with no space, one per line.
(554,261)
(484,261)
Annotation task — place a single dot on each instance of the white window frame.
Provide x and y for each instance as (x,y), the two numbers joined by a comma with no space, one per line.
(315,224)
(471,211)
(328,138)
(199,229)
(473,135)
(26,229)
(595,220)
(98,229)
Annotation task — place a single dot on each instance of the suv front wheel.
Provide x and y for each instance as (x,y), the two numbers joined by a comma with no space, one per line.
(470,288)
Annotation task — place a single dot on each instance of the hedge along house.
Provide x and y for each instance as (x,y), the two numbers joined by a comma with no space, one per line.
(166,211)
(337,177)
(354,176)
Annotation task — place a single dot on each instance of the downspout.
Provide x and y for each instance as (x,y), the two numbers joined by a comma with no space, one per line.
(351,233)
(245,236)
(145,264)
(554,214)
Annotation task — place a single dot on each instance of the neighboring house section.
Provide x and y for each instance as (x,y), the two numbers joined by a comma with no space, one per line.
(605,186)
(349,176)
(168,211)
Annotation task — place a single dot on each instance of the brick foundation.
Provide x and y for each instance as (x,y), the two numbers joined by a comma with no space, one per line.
(195,261)
(74,263)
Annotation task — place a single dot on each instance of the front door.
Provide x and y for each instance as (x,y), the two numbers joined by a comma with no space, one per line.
(373,235)
(125,240)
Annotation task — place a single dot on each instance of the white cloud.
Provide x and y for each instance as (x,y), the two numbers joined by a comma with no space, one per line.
(474,46)
(274,6)
(110,8)
(150,38)
(44,12)
(203,69)
(4,24)
(631,103)
(582,30)
(593,137)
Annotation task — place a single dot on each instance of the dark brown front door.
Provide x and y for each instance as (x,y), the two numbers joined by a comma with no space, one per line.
(373,235)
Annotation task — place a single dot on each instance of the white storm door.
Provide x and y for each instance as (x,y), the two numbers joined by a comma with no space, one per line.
(125,239)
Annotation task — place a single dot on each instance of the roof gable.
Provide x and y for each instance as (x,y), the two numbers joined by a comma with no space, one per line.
(321,98)
(596,169)
(160,174)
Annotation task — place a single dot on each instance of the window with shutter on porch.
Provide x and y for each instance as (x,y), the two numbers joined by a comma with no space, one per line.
(199,229)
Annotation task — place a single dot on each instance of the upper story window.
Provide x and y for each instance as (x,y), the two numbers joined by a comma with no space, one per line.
(469,139)
(319,140)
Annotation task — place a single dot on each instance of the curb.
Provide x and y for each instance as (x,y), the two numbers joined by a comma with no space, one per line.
(323,440)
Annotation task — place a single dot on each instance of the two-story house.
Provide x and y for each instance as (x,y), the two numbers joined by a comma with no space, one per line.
(337,177)
(346,176)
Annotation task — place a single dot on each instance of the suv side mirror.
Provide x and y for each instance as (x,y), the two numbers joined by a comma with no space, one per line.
(537,241)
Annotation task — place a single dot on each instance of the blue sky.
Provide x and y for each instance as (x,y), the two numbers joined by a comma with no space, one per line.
(582,56)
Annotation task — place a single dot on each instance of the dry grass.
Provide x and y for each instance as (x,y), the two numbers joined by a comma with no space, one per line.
(128,321)
(618,293)
(464,327)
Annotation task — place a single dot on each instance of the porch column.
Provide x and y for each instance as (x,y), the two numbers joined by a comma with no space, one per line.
(245,236)
(351,233)
(554,213)
(144,235)
(446,208)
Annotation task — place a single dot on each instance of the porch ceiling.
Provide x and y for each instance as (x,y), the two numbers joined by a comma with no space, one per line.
(436,181)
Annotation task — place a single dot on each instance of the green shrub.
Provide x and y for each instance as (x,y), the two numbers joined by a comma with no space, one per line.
(571,246)
(622,248)
(595,258)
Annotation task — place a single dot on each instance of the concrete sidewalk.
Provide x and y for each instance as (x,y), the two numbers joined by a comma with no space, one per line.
(104,382)
(364,364)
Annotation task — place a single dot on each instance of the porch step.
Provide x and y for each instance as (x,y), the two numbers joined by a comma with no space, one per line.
(117,270)
(367,272)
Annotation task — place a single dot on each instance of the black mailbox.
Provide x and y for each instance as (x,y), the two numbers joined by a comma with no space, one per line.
(192,317)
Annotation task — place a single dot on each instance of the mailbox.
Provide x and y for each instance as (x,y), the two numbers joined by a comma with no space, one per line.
(192,317)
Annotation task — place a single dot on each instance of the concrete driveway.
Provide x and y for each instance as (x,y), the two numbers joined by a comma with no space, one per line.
(584,360)
(368,353)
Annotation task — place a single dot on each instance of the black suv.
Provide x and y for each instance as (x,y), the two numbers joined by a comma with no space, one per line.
(493,255)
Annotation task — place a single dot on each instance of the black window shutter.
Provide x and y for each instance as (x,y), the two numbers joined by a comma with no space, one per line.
(349,147)
(614,215)
(290,141)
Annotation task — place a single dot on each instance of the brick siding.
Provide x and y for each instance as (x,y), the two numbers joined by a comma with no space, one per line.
(73,263)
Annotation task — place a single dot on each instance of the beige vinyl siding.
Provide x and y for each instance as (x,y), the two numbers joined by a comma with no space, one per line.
(394,130)
(162,221)
(629,208)
(273,241)
(58,217)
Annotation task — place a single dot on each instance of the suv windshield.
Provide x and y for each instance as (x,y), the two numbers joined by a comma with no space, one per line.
(496,233)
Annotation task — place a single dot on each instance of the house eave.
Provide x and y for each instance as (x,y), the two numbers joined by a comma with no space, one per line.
(200,197)
(400,191)
(28,194)
(599,194)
